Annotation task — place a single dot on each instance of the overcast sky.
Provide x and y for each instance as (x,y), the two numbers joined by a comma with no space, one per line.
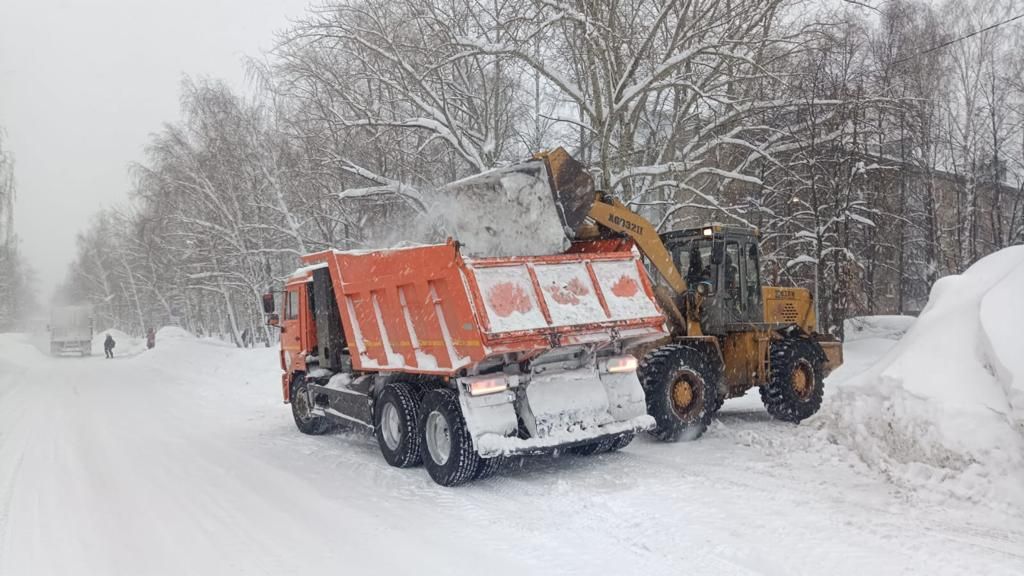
(84,82)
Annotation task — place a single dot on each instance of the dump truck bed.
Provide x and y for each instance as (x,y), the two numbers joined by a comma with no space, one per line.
(428,310)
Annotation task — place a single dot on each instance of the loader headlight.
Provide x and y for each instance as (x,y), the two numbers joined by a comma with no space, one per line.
(483,385)
(619,364)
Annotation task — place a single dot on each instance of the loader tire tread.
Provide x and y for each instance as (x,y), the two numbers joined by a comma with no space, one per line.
(779,396)
(659,370)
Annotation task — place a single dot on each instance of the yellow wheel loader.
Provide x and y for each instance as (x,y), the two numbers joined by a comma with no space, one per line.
(728,332)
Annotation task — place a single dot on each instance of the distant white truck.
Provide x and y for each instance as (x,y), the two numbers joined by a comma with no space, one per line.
(71,329)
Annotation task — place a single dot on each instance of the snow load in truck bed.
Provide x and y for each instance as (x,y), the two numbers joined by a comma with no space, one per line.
(945,408)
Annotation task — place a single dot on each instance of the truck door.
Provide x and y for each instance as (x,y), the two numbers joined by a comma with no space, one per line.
(291,332)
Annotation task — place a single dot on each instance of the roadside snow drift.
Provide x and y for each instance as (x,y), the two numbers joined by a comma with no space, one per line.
(945,408)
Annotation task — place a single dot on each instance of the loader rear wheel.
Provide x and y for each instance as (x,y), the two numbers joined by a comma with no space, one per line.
(396,415)
(302,411)
(797,381)
(681,385)
(448,454)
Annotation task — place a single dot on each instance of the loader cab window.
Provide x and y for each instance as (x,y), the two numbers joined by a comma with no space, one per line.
(693,260)
(731,271)
(291,308)
(752,275)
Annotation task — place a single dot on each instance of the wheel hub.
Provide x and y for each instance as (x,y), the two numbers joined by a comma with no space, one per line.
(301,403)
(390,426)
(803,380)
(439,441)
(685,394)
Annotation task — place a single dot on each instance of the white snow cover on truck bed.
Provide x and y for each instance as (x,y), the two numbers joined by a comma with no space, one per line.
(945,408)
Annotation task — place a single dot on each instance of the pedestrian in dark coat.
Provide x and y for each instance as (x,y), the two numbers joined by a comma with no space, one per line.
(108,346)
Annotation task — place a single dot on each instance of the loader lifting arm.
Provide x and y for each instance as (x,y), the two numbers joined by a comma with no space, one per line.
(574,190)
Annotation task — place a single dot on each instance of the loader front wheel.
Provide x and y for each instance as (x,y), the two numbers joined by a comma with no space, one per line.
(302,411)
(448,454)
(396,415)
(681,386)
(797,381)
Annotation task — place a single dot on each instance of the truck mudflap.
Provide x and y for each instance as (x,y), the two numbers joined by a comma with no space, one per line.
(555,410)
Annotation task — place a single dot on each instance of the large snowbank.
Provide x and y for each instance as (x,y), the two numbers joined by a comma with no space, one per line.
(945,408)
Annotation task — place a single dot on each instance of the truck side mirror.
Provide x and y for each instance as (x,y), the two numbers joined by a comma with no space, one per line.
(273,319)
(717,252)
(268,303)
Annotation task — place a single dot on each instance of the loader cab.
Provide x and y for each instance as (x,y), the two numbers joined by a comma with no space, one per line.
(726,260)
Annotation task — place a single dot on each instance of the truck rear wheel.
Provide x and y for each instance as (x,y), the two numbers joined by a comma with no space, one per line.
(302,411)
(448,454)
(621,441)
(591,448)
(488,467)
(681,386)
(797,381)
(395,417)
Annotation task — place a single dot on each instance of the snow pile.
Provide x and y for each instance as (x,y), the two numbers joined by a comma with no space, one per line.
(124,344)
(507,211)
(172,333)
(868,327)
(945,408)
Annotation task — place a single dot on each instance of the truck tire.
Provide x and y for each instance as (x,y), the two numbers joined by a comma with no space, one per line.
(488,467)
(677,379)
(596,447)
(448,452)
(305,420)
(621,441)
(396,415)
(797,382)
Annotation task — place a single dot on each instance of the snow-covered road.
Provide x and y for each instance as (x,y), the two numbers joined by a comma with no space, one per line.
(182,460)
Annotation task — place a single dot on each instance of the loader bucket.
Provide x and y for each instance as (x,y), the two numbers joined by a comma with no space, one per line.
(532,208)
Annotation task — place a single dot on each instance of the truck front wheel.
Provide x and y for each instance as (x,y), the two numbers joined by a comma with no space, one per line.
(448,455)
(396,415)
(302,410)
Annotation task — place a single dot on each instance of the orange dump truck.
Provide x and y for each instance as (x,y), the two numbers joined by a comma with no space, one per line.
(457,362)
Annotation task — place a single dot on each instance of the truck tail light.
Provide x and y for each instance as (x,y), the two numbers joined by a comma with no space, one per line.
(620,364)
(486,385)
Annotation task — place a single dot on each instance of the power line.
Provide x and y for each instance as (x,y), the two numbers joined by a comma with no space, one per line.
(960,39)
